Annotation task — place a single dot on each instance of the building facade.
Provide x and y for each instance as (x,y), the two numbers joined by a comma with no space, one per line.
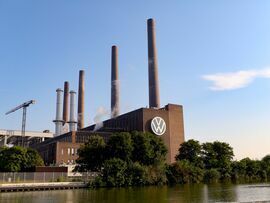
(166,122)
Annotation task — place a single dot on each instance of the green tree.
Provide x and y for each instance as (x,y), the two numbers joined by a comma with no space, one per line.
(191,151)
(218,155)
(91,155)
(238,171)
(211,176)
(32,159)
(266,165)
(156,174)
(148,148)
(114,172)
(16,159)
(183,171)
(136,174)
(120,146)
(12,159)
(254,170)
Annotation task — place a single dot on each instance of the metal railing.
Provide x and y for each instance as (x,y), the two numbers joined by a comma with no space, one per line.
(41,177)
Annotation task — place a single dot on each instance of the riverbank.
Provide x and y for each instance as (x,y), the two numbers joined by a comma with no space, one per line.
(17,187)
(158,194)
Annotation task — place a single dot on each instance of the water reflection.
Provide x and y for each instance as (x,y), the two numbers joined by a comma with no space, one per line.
(175,194)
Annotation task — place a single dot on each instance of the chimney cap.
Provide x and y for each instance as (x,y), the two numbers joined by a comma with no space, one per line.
(59,90)
(150,21)
(72,91)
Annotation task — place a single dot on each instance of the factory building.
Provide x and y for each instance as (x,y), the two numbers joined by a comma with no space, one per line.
(166,122)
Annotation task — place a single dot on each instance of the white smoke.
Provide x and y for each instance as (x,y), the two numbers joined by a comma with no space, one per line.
(101,113)
(114,112)
(116,85)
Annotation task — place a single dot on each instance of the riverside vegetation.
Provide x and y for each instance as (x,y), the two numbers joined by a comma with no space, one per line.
(18,159)
(138,159)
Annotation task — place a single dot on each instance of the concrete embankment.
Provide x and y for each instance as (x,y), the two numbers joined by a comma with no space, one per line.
(16,187)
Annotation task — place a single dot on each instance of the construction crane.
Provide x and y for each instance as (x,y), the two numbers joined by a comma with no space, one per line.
(24,107)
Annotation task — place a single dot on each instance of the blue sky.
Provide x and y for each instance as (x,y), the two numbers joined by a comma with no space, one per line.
(213,56)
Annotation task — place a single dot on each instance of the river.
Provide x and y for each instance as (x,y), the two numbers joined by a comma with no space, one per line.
(175,194)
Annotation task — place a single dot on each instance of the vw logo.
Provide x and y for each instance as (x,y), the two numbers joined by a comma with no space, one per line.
(158,126)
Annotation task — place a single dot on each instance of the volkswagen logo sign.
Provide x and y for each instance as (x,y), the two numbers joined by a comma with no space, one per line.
(158,126)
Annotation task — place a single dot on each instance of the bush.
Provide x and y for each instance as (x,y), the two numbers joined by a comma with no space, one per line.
(91,155)
(136,174)
(156,174)
(211,176)
(184,172)
(114,172)
(97,182)
(16,159)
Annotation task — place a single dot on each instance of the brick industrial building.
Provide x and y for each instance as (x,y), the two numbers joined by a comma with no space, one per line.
(166,122)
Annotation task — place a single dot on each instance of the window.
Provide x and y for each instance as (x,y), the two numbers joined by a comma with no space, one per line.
(68,151)
(62,151)
(72,151)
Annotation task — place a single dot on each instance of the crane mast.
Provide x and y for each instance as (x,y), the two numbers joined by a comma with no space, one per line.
(24,107)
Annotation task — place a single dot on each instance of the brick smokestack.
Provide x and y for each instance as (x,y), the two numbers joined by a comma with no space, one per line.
(81,101)
(114,83)
(66,102)
(152,66)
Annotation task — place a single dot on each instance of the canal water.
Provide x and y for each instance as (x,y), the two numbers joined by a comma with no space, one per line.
(175,194)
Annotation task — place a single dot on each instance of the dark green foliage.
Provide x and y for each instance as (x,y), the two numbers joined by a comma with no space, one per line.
(192,152)
(139,159)
(156,174)
(148,148)
(238,171)
(218,164)
(126,159)
(16,159)
(32,159)
(218,155)
(184,172)
(247,170)
(120,146)
(136,174)
(211,175)
(91,155)
(266,166)
(114,172)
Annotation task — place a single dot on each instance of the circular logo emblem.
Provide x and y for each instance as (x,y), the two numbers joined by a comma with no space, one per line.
(158,126)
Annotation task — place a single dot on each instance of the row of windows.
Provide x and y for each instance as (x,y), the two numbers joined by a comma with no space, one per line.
(72,161)
(70,151)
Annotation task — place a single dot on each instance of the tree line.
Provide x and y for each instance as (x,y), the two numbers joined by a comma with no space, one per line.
(126,159)
(138,158)
(19,159)
(213,162)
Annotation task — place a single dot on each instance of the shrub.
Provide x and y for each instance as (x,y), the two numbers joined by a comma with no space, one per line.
(211,176)
(114,172)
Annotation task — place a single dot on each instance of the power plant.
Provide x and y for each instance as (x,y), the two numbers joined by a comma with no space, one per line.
(70,132)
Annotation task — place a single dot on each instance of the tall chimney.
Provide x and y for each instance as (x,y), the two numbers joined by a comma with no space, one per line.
(152,66)
(114,83)
(81,101)
(58,119)
(72,119)
(66,102)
